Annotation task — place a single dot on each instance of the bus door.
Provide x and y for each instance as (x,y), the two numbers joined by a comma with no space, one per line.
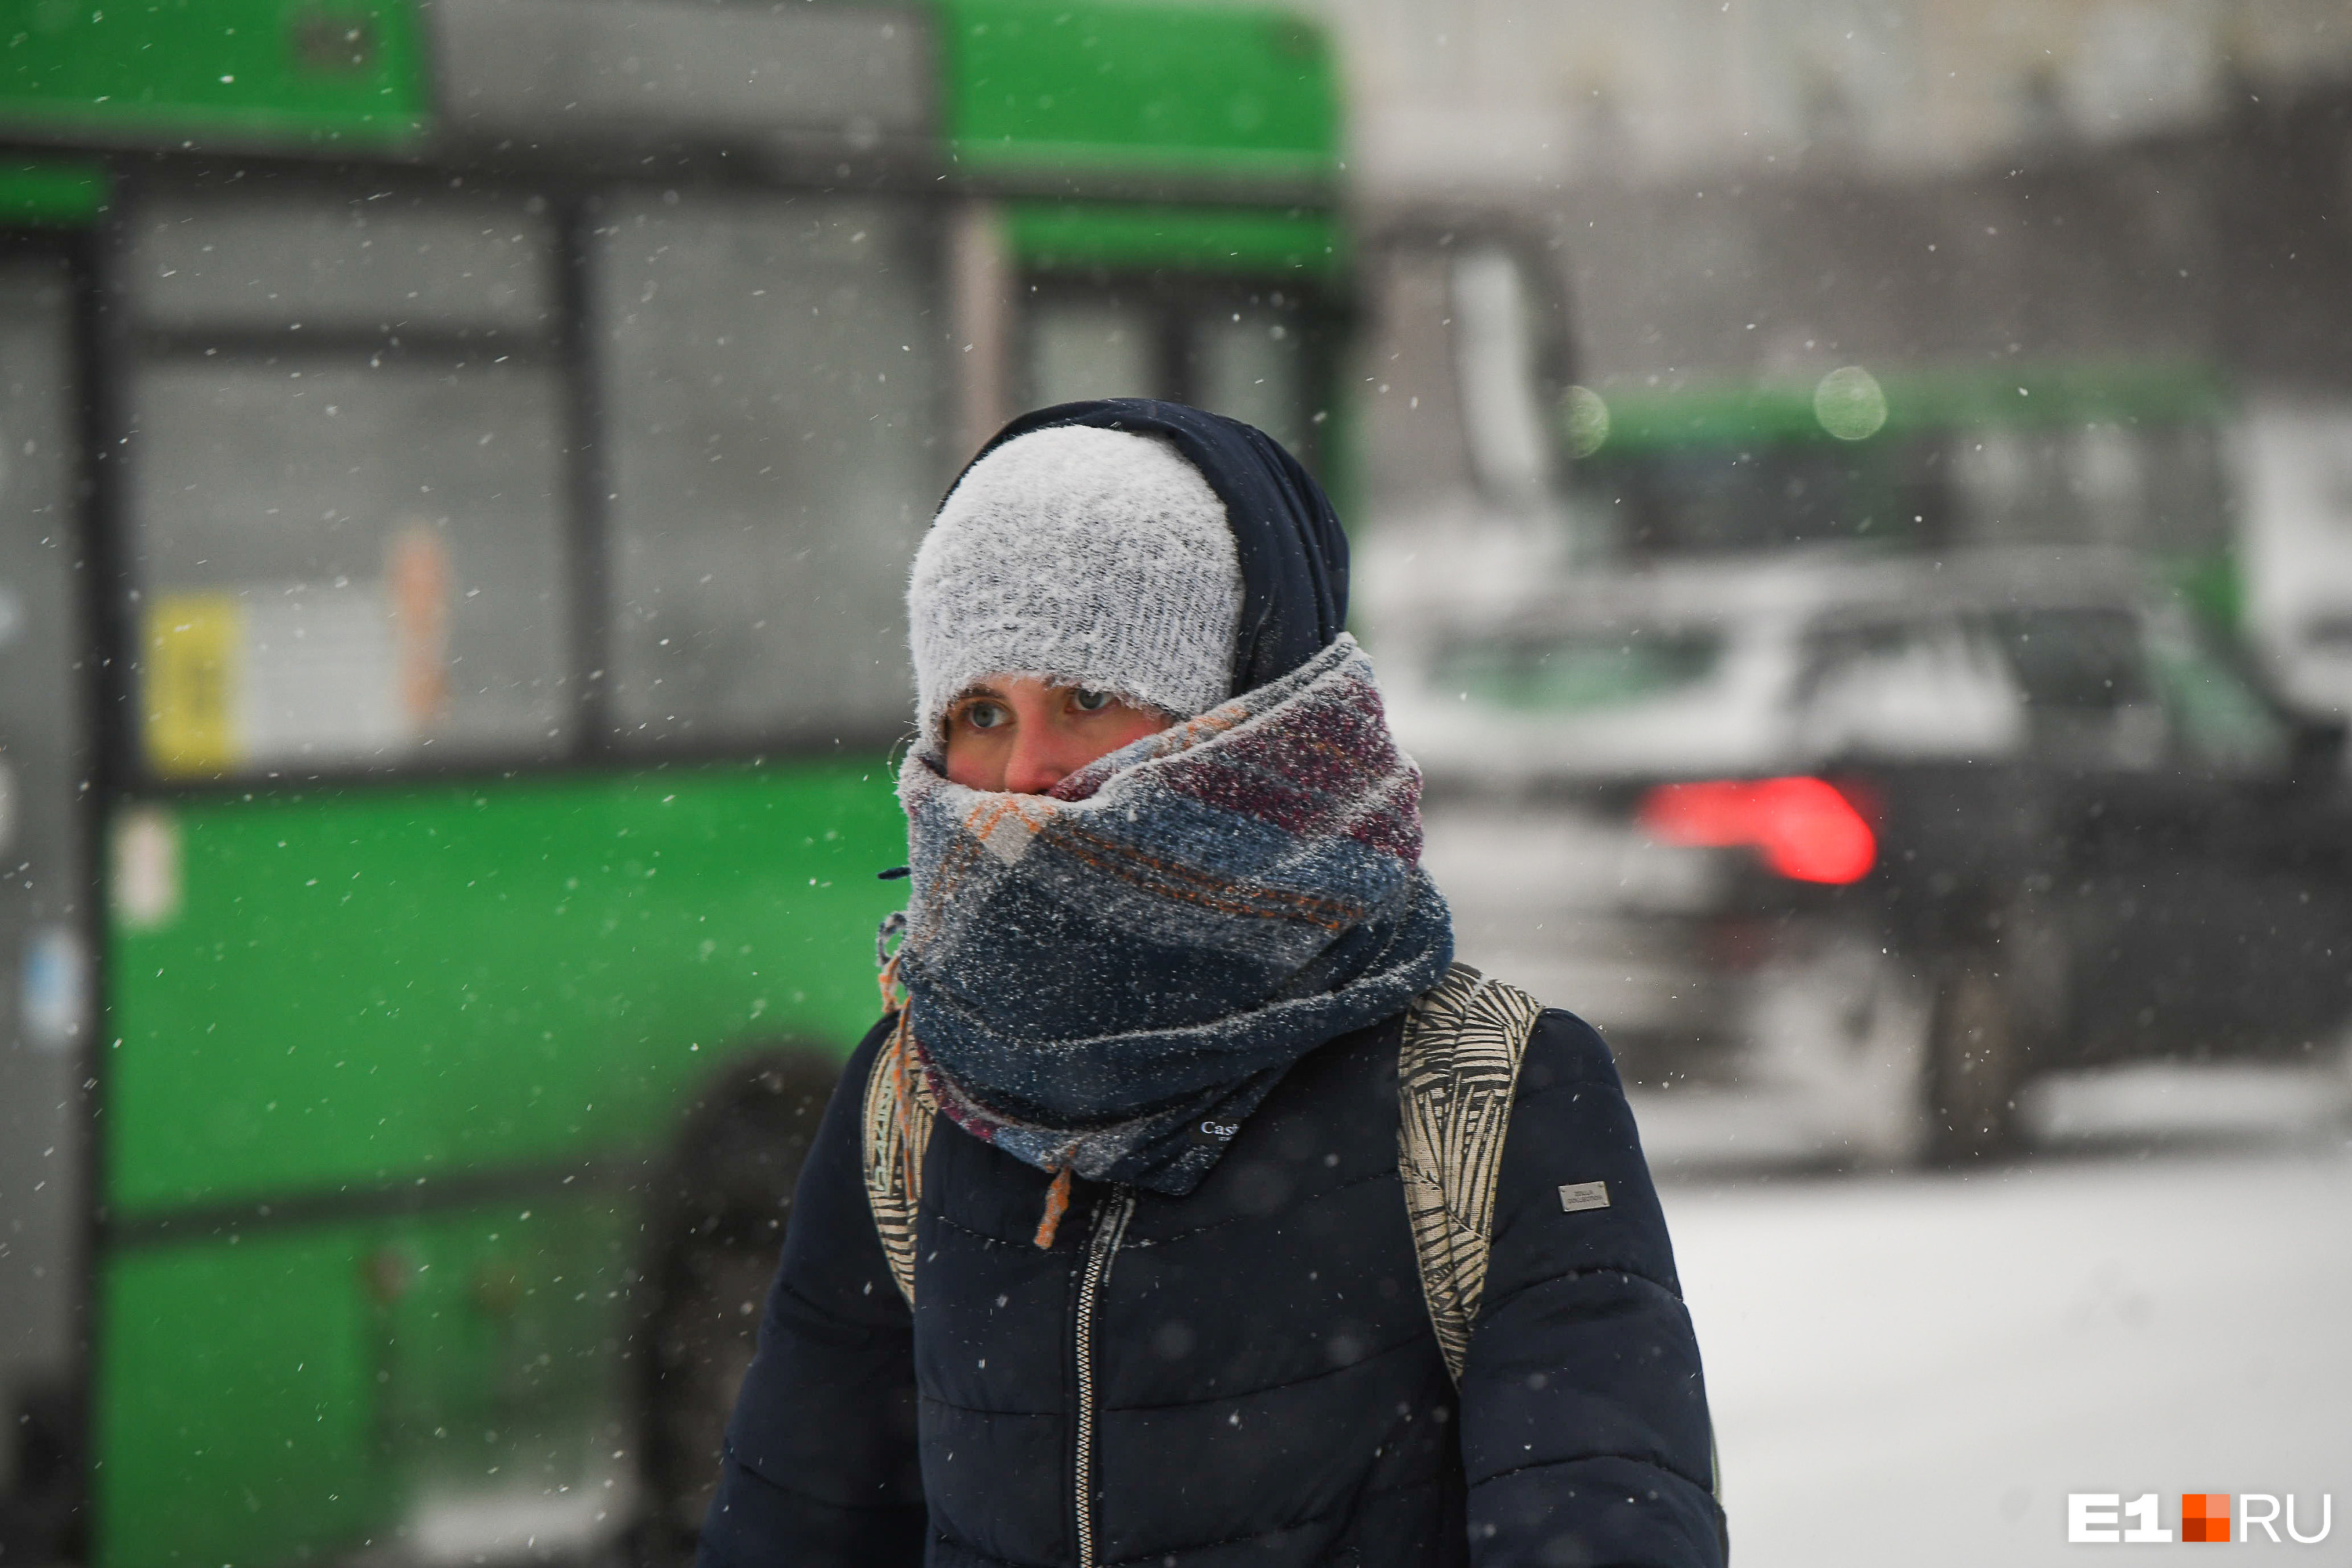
(45,953)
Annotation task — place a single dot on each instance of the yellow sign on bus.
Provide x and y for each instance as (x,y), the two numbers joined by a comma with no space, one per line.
(195,644)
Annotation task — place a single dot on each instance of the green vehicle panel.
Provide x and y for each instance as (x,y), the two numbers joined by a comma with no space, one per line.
(1035,85)
(1156,88)
(524,981)
(350,71)
(47,192)
(400,980)
(1113,237)
(1707,413)
(272,1393)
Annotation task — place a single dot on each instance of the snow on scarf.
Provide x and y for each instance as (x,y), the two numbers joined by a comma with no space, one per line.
(1096,972)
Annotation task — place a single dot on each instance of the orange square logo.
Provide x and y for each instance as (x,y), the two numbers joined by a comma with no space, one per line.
(2205,1515)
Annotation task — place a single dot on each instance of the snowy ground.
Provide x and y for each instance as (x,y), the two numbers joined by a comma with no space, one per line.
(1919,1369)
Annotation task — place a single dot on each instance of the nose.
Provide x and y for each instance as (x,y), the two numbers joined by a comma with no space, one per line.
(1037,762)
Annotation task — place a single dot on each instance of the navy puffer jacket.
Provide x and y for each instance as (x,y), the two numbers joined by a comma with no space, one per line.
(1247,1375)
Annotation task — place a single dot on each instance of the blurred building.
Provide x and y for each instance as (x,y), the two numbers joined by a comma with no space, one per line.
(1692,316)
(1512,96)
(1758,192)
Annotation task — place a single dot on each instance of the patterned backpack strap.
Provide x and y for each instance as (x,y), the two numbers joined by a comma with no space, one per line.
(1463,1039)
(897,1130)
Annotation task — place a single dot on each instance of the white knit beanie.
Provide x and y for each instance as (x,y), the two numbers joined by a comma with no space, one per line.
(1081,556)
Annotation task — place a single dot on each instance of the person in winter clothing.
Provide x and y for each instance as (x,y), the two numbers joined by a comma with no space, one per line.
(1158,1301)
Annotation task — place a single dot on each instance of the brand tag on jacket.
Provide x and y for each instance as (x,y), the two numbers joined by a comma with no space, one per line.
(1213,1131)
(1578,1196)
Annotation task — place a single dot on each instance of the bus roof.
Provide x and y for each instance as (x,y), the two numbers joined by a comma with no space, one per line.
(1081,91)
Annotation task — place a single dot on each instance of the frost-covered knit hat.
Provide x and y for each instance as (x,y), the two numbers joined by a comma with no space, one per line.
(1084,556)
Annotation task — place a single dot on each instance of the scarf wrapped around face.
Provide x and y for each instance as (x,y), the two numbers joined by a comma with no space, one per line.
(1109,978)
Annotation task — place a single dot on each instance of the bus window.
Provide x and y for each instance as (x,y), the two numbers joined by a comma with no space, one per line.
(1249,364)
(774,399)
(1242,353)
(374,261)
(1706,499)
(347,498)
(1085,348)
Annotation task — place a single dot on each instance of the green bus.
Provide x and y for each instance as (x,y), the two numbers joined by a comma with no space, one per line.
(2125,455)
(457,468)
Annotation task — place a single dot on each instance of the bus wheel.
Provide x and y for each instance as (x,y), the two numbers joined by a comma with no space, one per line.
(1972,1062)
(718,1223)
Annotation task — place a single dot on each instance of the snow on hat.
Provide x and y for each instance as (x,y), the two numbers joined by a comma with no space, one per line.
(1081,556)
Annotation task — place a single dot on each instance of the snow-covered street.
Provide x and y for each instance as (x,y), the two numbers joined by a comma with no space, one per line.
(1919,1369)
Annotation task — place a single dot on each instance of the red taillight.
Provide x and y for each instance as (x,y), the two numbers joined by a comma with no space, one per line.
(1802,827)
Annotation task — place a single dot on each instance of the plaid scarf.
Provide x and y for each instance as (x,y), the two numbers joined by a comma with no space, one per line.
(1109,978)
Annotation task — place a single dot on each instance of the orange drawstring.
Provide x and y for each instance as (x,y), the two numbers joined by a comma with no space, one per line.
(1057,1204)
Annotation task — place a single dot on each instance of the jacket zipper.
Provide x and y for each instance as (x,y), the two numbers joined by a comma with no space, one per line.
(1110,1225)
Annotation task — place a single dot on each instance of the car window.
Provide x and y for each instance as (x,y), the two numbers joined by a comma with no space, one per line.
(1556,673)
(2104,678)
(1916,687)
(2217,715)
(2081,660)
(2082,674)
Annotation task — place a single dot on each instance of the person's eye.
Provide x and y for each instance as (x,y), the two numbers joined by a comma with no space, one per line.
(983,715)
(1087,701)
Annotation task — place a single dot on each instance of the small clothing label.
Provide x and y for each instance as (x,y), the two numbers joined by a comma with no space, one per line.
(1578,1196)
(1209,1130)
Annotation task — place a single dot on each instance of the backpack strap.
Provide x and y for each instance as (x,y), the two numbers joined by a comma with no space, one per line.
(1456,1073)
(895,1133)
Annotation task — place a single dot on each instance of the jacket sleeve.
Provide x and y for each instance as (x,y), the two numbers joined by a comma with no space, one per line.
(821,1467)
(1585,1435)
